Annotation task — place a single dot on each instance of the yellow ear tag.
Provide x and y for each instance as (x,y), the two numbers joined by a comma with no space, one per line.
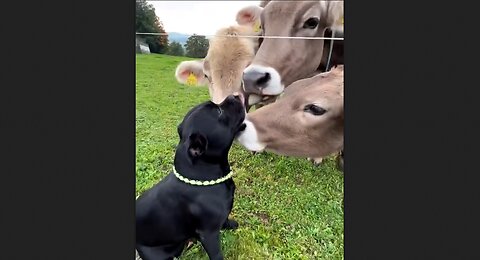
(256,26)
(341,20)
(192,79)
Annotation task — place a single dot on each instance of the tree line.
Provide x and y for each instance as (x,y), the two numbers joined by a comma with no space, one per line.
(147,21)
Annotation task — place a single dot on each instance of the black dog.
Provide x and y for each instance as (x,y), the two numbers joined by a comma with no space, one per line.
(175,210)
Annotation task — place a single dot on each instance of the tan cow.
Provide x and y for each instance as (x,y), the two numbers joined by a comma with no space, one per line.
(227,57)
(279,62)
(306,121)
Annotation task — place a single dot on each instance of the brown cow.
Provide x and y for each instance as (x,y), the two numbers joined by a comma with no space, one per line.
(306,121)
(227,57)
(279,62)
(336,52)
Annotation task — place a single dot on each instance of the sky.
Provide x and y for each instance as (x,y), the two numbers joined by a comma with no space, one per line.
(200,17)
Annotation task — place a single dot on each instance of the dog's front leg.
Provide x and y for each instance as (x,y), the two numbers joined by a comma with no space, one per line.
(230,224)
(211,242)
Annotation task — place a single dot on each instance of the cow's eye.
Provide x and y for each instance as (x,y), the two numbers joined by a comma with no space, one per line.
(314,110)
(311,23)
(206,76)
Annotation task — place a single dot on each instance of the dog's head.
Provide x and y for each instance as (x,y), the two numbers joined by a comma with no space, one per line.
(208,130)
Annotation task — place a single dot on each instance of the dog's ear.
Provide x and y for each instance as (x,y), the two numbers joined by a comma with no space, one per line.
(179,130)
(197,144)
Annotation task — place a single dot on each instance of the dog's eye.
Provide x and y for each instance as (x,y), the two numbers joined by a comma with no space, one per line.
(311,23)
(314,110)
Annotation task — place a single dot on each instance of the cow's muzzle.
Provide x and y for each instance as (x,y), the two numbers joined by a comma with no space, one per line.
(262,81)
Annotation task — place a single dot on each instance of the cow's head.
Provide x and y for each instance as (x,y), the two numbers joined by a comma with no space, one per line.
(227,57)
(279,62)
(307,121)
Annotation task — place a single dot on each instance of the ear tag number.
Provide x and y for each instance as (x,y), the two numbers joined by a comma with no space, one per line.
(191,80)
(256,26)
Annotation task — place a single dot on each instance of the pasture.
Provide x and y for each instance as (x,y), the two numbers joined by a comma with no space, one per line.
(286,207)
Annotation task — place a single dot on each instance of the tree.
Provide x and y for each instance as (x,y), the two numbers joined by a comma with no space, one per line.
(175,49)
(147,21)
(196,46)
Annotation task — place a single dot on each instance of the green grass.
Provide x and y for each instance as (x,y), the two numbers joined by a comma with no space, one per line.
(286,207)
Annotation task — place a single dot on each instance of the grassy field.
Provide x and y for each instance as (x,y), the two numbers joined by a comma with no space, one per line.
(286,207)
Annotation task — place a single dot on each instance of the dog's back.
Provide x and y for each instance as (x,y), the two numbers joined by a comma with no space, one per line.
(162,213)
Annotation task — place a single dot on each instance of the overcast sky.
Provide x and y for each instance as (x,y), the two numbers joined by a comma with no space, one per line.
(200,17)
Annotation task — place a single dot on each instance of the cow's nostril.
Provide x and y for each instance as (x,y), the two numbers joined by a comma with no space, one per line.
(255,81)
(264,79)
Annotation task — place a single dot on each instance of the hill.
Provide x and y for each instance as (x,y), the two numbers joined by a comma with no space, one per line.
(178,37)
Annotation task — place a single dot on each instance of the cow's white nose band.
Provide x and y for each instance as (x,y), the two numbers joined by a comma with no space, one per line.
(249,138)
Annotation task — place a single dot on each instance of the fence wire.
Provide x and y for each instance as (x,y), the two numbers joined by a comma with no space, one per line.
(255,36)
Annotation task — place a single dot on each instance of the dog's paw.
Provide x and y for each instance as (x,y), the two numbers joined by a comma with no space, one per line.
(316,161)
(230,224)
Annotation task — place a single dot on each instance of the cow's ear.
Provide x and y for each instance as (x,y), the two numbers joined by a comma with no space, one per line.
(249,15)
(197,145)
(334,13)
(191,73)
